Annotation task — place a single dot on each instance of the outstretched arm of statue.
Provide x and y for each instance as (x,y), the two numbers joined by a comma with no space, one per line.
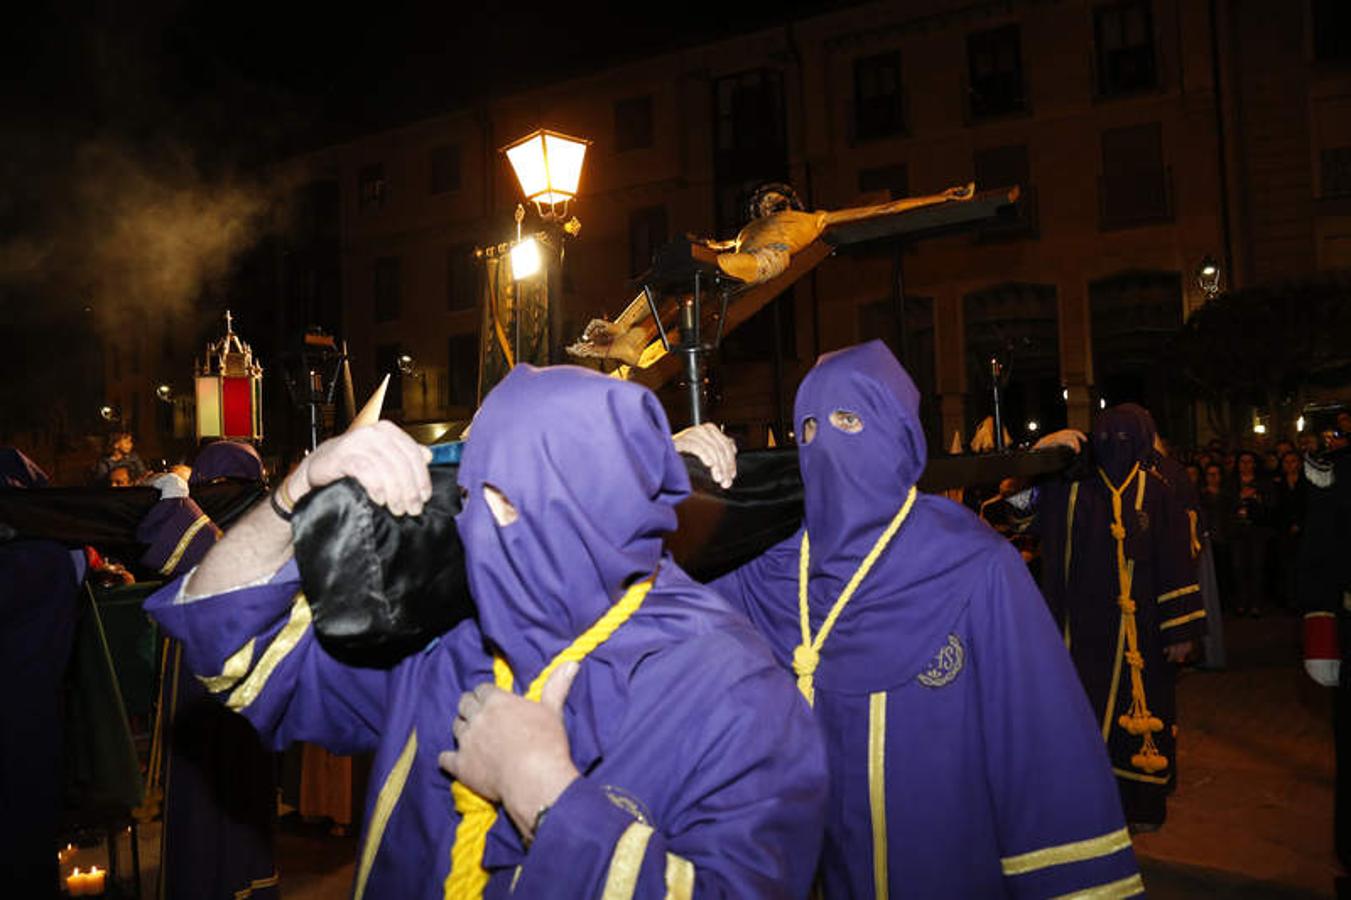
(390,466)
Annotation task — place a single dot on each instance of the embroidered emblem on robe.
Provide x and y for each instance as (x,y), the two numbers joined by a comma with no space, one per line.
(627,802)
(946,664)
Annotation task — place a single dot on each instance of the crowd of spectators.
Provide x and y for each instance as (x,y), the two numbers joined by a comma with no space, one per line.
(1252,510)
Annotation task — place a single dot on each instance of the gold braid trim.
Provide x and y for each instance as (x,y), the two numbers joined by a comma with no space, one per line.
(1132,886)
(626,864)
(1180,592)
(679,878)
(1063,854)
(389,795)
(183,542)
(1138,721)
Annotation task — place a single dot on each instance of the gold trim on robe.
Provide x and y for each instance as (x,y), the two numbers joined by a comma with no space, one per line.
(1183,620)
(1063,854)
(235,668)
(626,864)
(389,795)
(1180,592)
(679,878)
(877,788)
(281,646)
(1116,890)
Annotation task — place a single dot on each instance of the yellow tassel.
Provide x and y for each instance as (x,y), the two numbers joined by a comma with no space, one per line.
(807,655)
(1138,721)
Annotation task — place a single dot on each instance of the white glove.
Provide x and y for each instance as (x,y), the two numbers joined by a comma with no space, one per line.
(713,448)
(1326,672)
(169,484)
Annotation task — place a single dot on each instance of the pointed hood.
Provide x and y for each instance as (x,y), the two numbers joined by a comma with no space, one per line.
(18,471)
(853,484)
(1123,435)
(588,463)
(227,459)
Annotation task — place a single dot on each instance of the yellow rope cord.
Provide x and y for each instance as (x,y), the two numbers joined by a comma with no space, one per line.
(807,655)
(1138,721)
(467,877)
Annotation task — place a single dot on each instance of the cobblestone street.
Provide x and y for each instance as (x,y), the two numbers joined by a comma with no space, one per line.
(1252,816)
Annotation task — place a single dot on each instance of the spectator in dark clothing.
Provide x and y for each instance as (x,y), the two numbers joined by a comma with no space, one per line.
(1292,491)
(1215,507)
(1250,531)
(120,453)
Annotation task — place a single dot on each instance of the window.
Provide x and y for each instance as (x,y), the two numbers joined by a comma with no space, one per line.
(1331,30)
(371,186)
(387,363)
(995,71)
(444,169)
(461,278)
(1135,187)
(387,288)
(633,123)
(1336,172)
(750,141)
(463,368)
(879,109)
(1002,167)
(894,179)
(1124,36)
(647,232)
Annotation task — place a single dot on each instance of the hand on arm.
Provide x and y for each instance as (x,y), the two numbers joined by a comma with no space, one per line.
(1066,437)
(713,448)
(390,466)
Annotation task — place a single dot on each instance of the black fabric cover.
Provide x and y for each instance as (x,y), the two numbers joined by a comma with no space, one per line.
(107,517)
(381,586)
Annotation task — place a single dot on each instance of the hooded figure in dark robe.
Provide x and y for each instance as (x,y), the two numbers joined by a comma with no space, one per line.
(702,772)
(1120,578)
(964,760)
(39,607)
(218,779)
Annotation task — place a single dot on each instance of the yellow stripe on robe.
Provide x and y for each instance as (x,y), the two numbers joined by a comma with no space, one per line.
(278,650)
(1133,886)
(1063,854)
(626,864)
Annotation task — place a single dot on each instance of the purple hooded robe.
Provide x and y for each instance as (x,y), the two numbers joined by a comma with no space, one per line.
(39,606)
(219,782)
(702,770)
(963,757)
(1081,584)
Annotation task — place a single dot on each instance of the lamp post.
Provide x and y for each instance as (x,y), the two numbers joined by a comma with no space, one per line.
(548,166)
(1208,277)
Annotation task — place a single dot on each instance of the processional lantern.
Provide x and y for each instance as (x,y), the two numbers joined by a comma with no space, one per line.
(229,391)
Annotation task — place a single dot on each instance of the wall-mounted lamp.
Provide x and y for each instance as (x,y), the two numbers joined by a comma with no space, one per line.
(164,393)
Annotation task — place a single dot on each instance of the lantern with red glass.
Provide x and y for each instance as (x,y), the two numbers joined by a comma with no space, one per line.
(229,390)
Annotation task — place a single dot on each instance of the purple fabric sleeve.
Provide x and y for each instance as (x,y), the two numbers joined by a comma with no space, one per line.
(255,651)
(1042,747)
(177,535)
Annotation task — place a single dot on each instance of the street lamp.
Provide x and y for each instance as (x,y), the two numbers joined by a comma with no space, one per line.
(1208,277)
(548,166)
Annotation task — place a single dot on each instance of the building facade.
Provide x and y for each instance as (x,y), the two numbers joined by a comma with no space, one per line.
(1147,136)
